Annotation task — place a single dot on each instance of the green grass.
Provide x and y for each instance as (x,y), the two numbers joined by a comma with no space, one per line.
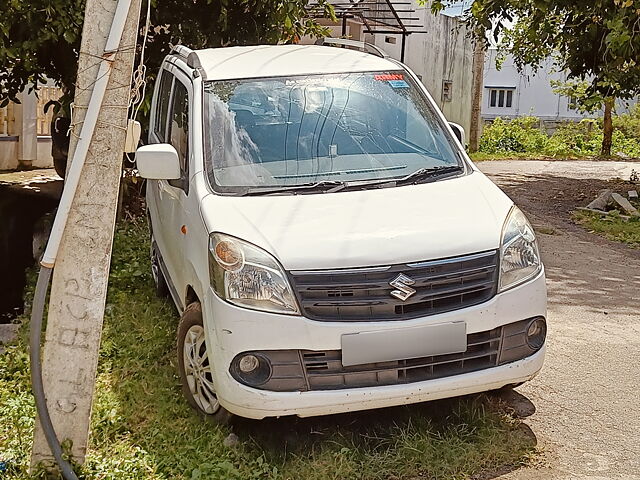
(486,157)
(142,427)
(611,226)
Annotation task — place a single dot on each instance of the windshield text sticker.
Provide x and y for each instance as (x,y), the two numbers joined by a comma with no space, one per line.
(388,76)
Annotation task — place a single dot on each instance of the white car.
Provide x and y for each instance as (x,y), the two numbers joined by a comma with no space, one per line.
(328,243)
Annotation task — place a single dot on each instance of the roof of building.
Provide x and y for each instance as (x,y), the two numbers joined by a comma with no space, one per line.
(286,60)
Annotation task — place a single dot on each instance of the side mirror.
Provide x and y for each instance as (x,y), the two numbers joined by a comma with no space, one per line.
(458,131)
(158,162)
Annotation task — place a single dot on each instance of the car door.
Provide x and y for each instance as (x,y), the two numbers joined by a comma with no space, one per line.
(157,196)
(170,196)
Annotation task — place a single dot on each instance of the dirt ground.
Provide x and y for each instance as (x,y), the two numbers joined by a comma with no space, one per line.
(583,407)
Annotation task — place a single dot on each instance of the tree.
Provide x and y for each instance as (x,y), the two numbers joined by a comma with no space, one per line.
(595,41)
(40,39)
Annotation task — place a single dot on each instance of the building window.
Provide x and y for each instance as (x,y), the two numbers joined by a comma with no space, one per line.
(500,98)
(573,103)
(447,90)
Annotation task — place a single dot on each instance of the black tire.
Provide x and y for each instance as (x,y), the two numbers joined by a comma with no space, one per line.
(190,322)
(59,161)
(60,144)
(161,287)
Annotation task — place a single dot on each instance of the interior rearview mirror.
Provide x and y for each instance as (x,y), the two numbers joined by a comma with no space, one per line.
(458,131)
(158,162)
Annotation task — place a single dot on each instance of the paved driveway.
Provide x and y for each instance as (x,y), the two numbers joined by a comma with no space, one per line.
(586,399)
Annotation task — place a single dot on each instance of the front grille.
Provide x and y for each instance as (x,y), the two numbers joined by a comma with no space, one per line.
(306,370)
(364,294)
(324,370)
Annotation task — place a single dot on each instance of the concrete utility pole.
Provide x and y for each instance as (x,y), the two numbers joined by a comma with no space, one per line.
(476,96)
(79,288)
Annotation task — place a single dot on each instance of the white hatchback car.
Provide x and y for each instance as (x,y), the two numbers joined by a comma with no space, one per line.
(327,241)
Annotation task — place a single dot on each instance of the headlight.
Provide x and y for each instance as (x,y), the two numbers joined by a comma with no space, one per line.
(519,254)
(247,276)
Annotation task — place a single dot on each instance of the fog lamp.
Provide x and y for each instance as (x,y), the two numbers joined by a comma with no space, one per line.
(248,363)
(251,369)
(536,333)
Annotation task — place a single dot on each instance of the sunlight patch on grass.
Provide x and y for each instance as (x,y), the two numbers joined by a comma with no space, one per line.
(611,226)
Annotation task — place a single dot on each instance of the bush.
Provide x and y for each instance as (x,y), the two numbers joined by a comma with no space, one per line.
(572,139)
(522,135)
(629,123)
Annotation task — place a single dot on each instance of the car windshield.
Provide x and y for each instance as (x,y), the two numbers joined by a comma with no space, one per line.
(355,128)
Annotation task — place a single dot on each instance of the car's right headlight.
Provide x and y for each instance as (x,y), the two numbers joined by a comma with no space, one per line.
(248,276)
(519,253)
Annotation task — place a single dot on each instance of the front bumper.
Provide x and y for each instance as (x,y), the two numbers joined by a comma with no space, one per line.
(231,330)
(259,404)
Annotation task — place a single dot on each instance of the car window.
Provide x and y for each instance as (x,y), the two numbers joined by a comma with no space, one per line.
(179,131)
(164,96)
(289,131)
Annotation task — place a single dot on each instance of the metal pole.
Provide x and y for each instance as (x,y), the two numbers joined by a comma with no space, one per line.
(404,44)
(344,25)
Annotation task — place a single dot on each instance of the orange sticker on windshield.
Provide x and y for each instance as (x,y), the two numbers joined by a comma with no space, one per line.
(388,76)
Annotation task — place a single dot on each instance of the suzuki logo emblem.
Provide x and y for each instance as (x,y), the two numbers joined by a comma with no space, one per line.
(402,285)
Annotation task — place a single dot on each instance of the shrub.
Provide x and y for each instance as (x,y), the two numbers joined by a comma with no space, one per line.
(571,139)
(522,135)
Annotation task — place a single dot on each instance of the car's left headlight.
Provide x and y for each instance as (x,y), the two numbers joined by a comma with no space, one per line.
(519,254)
(248,276)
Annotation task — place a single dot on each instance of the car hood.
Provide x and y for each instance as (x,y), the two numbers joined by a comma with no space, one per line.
(384,226)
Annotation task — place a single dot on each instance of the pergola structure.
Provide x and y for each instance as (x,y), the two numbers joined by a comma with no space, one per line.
(378,16)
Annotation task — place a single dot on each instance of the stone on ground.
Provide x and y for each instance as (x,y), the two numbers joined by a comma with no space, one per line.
(602,201)
(625,204)
(8,333)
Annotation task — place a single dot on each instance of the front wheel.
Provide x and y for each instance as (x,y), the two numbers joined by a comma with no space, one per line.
(195,368)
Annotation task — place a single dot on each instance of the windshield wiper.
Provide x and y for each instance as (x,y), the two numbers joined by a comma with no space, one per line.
(425,173)
(325,186)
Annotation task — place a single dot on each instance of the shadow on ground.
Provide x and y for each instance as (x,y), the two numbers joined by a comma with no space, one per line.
(21,207)
(142,423)
(375,427)
(606,283)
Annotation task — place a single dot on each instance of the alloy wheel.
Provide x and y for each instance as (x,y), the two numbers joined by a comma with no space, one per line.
(198,370)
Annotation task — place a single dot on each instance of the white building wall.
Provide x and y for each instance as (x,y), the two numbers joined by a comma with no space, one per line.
(533,94)
(443,53)
(21,145)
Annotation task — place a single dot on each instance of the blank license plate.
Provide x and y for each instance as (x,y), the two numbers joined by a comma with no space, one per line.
(404,343)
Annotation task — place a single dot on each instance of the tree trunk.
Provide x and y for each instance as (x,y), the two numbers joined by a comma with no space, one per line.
(607,127)
(476,95)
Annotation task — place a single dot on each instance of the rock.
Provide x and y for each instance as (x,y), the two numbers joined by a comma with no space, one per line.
(8,333)
(601,202)
(592,210)
(231,441)
(632,194)
(625,204)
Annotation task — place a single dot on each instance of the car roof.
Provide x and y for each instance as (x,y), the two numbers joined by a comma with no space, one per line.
(230,63)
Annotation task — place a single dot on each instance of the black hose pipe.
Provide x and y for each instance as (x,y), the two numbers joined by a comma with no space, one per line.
(35,337)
